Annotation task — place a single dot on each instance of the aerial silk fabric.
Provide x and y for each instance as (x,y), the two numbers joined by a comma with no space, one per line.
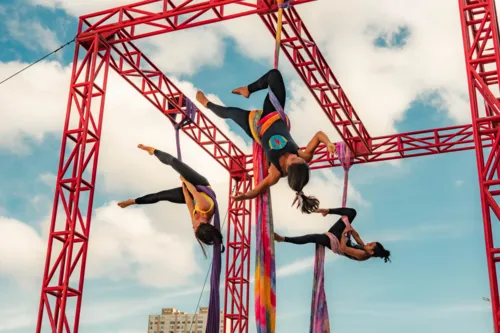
(265,269)
(319,321)
(213,320)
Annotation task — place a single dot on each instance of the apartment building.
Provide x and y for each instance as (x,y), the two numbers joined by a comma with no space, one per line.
(172,320)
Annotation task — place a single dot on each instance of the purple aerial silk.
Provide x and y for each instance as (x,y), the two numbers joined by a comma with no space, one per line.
(213,320)
(190,112)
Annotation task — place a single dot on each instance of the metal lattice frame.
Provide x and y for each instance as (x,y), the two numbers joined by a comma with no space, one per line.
(105,40)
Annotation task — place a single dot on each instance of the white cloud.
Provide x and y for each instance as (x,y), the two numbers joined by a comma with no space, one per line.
(419,232)
(48,179)
(16,316)
(302,265)
(381,83)
(124,245)
(77,8)
(194,49)
(459,183)
(22,251)
(46,85)
(33,35)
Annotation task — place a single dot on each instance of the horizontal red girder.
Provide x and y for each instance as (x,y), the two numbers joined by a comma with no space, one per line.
(410,144)
(140,20)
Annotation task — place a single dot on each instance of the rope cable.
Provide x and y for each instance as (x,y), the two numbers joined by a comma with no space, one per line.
(36,62)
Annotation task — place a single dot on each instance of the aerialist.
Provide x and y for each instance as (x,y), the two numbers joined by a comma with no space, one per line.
(200,206)
(283,154)
(336,238)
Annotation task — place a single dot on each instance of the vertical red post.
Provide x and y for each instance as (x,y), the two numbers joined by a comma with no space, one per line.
(237,283)
(480,36)
(64,271)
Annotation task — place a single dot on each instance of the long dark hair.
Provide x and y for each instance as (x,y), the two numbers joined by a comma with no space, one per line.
(298,177)
(380,252)
(209,235)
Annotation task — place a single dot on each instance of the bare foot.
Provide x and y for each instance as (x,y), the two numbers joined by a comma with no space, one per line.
(126,203)
(243,91)
(278,238)
(150,150)
(200,97)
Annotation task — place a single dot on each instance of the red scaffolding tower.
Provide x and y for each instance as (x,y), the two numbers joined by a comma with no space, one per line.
(106,40)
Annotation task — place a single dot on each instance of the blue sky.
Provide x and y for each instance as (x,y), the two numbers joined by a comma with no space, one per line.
(426,211)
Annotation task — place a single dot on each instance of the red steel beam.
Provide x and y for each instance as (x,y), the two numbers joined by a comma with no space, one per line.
(138,70)
(69,230)
(304,54)
(154,17)
(237,283)
(412,144)
(482,60)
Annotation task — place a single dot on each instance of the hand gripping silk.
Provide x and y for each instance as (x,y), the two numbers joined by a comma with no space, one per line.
(319,310)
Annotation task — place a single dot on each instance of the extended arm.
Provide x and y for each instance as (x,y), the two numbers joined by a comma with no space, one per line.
(266,183)
(201,200)
(355,253)
(356,237)
(320,137)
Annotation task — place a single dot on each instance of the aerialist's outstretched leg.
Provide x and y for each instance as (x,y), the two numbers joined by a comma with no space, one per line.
(321,239)
(239,116)
(182,168)
(338,228)
(272,79)
(174,195)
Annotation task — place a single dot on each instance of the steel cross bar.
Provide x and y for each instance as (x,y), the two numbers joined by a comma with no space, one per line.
(153,17)
(411,144)
(138,70)
(482,59)
(304,54)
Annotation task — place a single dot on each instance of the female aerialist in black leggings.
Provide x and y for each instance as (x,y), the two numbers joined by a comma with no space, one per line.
(200,205)
(282,152)
(359,251)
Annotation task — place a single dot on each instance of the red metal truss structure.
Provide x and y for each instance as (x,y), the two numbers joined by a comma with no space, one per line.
(106,40)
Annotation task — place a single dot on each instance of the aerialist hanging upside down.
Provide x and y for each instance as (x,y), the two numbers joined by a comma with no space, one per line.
(336,238)
(200,206)
(283,154)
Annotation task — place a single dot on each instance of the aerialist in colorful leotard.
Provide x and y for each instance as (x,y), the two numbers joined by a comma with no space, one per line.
(200,205)
(337,240)
(283,154)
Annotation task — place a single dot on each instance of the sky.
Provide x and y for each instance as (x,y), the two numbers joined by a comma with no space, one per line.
(402,69)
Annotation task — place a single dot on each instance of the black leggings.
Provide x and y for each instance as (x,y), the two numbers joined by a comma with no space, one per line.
(323,239)
(272,80)
(175,195)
